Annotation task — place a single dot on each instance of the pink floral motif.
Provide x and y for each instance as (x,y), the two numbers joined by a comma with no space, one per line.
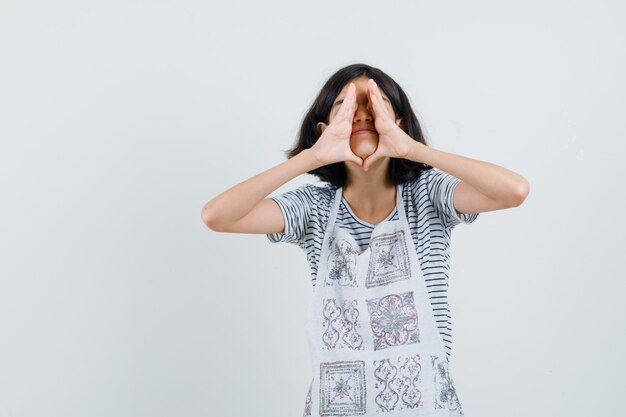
(393,319)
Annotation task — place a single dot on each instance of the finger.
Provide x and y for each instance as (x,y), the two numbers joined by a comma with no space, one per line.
(370,160)
(372,95)
(376,99)
(346,109)
(356,160)
(381,102)
(351,156)
(352,102)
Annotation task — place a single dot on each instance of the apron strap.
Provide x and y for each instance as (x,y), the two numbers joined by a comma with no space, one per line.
(335,207)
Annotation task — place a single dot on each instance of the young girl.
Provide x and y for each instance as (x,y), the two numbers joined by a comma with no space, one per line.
(377,238)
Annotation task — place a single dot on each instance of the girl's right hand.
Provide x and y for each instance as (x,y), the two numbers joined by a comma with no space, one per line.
(334,143)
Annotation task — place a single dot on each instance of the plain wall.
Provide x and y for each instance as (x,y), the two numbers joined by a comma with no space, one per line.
(121,119)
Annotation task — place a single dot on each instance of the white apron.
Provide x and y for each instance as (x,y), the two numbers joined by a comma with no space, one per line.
(374,343)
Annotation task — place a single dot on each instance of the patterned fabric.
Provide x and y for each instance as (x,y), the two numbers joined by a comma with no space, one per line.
(370,353)
(429,204)
(393,320)
(397,382)
(445,394)
(342,258)
(307,402)
(342,388)
(341,325)
(389,261)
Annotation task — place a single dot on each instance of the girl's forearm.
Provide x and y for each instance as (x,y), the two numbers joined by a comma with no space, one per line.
(490,179)
(237,201)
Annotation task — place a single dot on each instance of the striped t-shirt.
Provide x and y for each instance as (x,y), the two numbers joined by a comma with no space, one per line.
(428,202)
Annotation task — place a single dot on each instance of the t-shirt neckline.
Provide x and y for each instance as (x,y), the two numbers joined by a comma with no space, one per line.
(347,206)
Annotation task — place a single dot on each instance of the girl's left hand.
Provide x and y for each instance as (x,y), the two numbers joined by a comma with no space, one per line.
(392,140)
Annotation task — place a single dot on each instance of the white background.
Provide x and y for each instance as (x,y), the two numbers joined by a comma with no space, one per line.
(119,120)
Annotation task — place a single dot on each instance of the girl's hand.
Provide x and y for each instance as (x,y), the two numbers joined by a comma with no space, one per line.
(392,140)
(334,143)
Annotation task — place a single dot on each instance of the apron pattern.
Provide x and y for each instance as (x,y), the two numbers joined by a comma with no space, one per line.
(342,263)
(445,394)
(397,383)
(340,325)
(393,319)
(389,261)
(307,402)
(370,353)
(342,388)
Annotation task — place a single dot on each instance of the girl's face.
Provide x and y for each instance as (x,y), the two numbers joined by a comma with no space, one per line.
(364,139)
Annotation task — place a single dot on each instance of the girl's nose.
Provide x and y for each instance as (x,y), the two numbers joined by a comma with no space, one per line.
(363,113)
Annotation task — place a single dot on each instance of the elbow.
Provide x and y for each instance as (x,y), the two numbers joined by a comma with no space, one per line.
(520,193)
(209,219)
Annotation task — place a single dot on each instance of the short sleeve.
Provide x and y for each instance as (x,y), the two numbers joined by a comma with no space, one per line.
(441,186)
(296,207)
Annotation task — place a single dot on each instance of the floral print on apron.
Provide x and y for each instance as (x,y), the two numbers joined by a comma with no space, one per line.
(374,343)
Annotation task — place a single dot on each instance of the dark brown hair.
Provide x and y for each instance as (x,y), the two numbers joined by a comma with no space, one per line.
(400,170)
